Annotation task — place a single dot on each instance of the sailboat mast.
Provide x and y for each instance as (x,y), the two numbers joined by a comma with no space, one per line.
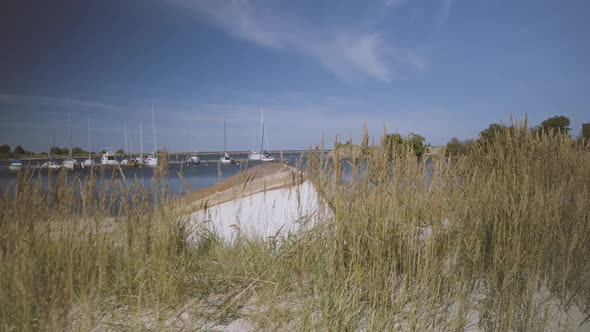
(154,129)
(53,146)
(131,150)
(225,136)
(261,129)
(89,138)
(140,141)
(125,127)
(70,137)
(190,135)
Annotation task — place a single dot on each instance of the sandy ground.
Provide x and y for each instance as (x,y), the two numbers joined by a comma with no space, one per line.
(263,202)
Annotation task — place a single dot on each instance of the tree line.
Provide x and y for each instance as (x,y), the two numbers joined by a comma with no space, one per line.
(558,124)
(19,151)
(396,142)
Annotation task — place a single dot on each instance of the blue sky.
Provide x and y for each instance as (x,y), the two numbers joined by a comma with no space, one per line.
(441,68)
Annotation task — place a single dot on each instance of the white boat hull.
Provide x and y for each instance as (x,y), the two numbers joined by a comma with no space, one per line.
(260,156)
(70,164)
(193,160)
(153,162)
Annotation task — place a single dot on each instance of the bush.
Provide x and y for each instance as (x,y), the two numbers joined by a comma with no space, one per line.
(77,151)
(456,147)
(18,150)
(5,149)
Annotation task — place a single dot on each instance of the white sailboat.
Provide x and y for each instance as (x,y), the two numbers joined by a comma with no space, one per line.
(70,163)
(261,154)
(139,160)
(152,159)
(226,159)
(50,163)
(88,162)
(125,160)
(132,161)
(194,159)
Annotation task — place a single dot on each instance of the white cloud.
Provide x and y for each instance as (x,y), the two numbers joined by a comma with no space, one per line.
(365,54)
(347,49)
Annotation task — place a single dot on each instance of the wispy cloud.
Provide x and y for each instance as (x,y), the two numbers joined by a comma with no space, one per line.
(443,13)
(56,102)
(348,49)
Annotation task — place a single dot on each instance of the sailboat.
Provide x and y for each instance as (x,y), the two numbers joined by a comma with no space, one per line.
(139,160)
(152,159)
(226,159)
(50,163)
(261,155)
(70,163)
(132,161)
(89,161)
(125,161)
(194,159)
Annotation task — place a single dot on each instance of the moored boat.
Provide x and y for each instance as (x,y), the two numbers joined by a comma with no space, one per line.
(50,164)
(226,159)
(151,160)
(193,160)
(261,154)
(15,165)
(108,159)
(70,163)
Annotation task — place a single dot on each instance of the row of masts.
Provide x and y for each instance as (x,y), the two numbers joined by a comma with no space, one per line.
(127,151)
(70,154)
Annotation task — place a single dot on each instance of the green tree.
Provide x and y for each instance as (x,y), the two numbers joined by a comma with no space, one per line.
(558,123)
(456,147)
(397,141)
(417,143)
(120,151)
(55,150)
(493,131)
(19,150)
(394,139)
(77,150)
(5,149)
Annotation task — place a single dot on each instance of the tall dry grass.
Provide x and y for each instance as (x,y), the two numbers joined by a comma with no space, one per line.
(498,239)
(77,249)
(493,239)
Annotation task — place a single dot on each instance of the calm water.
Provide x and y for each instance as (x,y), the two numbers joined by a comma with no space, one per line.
(203,175)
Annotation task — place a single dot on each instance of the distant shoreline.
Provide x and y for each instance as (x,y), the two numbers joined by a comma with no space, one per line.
(97,155)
